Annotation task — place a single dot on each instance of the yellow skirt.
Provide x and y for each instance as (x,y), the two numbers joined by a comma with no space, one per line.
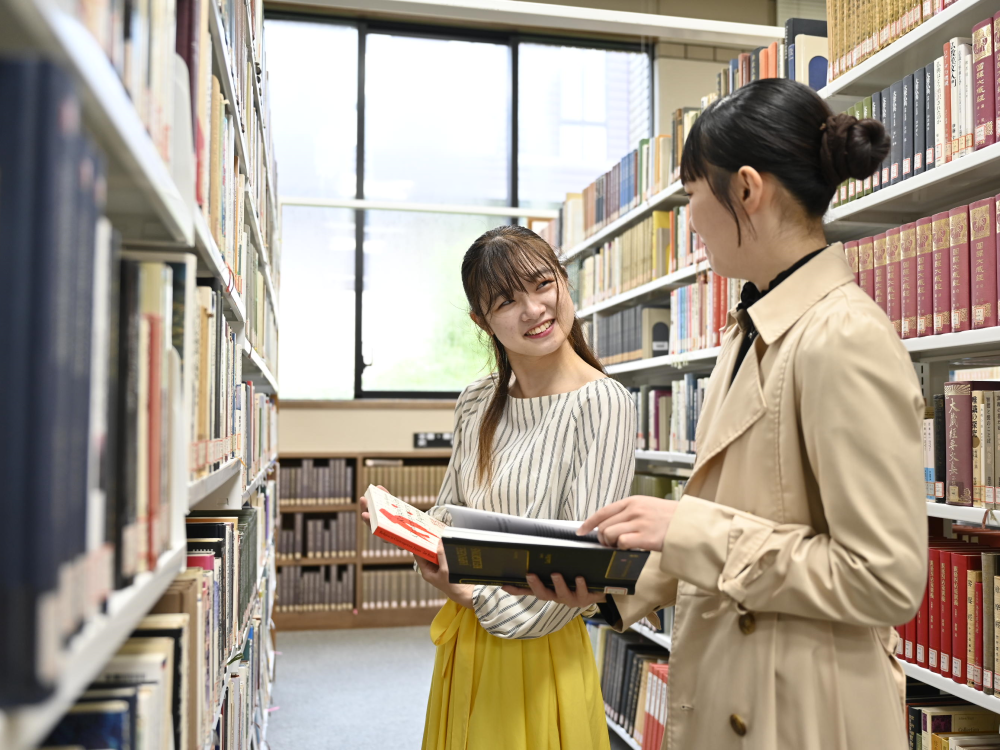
(489,692)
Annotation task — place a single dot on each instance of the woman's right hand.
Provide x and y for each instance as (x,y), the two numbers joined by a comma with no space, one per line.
(363,503)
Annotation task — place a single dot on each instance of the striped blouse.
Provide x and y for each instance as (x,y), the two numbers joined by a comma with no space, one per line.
(561,456)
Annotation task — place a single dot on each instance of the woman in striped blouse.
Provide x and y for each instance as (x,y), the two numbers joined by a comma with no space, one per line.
(548,435)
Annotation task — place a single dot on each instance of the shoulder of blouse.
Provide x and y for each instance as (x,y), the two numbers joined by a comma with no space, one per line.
(474,394)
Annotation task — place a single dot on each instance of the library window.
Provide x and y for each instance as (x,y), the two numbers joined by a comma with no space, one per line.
(379,262)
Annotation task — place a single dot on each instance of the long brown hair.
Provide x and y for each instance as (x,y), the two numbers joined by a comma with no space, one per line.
(494,267)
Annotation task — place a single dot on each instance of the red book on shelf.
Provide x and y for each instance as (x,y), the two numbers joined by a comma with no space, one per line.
(944,612)
(880,267)
(977,672)
(908,279)
(946,102)
(933,610)
(922,629)
(996,73)
(941,251)
(961,564)
(925,277)
(983,257)
(961,286)
(909,640)
(866,265)
(893,280)
(984,84)
(851,251)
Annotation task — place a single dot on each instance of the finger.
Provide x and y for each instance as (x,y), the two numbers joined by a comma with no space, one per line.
(598,519)
(582,592)
(634,540)
(366,516)
(563,594)
(382,488)
(539,590)
(363,502)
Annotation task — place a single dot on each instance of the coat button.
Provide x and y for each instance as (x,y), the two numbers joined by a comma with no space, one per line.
(739,726)
(748,623)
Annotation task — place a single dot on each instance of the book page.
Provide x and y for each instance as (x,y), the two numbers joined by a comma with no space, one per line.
(483,535)
(484,520)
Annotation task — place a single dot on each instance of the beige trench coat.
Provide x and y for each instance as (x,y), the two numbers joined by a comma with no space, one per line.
(802,537)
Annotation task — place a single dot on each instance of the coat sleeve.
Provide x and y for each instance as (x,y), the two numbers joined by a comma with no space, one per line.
(860,411)
(605,463)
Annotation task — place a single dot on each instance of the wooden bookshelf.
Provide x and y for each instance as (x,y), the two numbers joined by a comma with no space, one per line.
(363,618)
(307,561)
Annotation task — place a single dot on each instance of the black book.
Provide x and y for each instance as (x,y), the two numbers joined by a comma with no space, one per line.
(117,692)
(896,132)
(940,462)
(906,122)
(877,115)
(796,26)
(886,118)
(919,133)
(127,424)
(929,132)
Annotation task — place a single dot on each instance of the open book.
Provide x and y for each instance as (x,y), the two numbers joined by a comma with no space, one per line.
(497,549)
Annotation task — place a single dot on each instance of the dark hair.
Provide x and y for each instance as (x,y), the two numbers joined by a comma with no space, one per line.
(494,267)
(782,128)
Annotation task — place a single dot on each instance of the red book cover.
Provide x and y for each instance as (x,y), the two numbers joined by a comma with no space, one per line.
(961,564)
(977,673)
(851,251)
(922,629)
(880,267)
(909,640)
(908,279)
(205,562)
(996,72)
(893,281)
(933,611)
(946,101)
(941,251)
(944,596)
(403,525)
(866,265)
(925,277)
(983,257)
(961,287)
(155,437)
(984,84)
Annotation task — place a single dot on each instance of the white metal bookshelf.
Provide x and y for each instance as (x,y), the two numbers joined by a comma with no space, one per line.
(656,287)
(25,727)
(620,731)
(660,639)
(214,265)
(950,686)
(698,360)
(254,365)
(674,458)
(199,489)
(259,480)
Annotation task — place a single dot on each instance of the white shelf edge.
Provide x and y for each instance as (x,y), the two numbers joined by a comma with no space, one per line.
(963,513)
(963,340)
(259,363)
(678,361)
(673,191)
(985,157)
(907,41)
(209,252)
(620,731)
(660,639)
(678,278)
(950,686)
(259,479)
(223,57)
(199,489)
(666,457)
(26,727)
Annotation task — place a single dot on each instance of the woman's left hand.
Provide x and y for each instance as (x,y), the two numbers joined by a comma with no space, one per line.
(637,522)
(437,576)
(581,598)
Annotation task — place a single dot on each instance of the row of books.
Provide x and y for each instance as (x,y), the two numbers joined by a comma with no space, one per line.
(326,588)
(374,547)
(259,438)
(416,484)
(666,415)
(960,439)
(317,481)
(261,329)
(699,311)
(187,678)
(397,588)
(661,244)
(322,536)
(954,633)
(629,667)
(657,485)
(936,275)
(637,332)
(940,721)
(859,31)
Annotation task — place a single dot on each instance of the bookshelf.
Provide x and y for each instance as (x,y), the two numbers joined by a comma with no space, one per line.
(950,686)
(963,514)
(152,204)
(660,639)
(655,288)
(620,731)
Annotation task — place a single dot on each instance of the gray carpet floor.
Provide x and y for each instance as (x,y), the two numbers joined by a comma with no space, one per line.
(332,688)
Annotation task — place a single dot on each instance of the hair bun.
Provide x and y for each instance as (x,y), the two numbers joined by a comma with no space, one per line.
(851,147)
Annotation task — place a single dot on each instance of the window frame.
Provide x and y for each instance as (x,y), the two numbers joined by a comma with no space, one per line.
(512,40)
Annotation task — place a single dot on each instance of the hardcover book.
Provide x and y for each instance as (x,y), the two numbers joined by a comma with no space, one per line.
(877,115)
(941,244)
(896,132)
(893,279)
(925,277)
(851,251)
(886,119)
(919,141)
(908,279)
(996,71)
(880,269)
(496,549)
(906,121)
(866,265)
(961,289)
(929,118)
(984,83)
(983,252)
(958,438)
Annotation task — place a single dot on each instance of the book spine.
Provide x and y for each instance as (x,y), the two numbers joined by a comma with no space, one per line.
(866,265)
(975,606)
(983,252)
(922,632)
(941,239)
(906,114)
(984,82)
(908,280)
(946,102)
(958,221)
(944,594)
(939,117)
(851,251)
(893,279)
(959,618)
(976,413)
(919,141)
(958,434)
(925,277)
(929,116)
(933,612)
(996,73)
(880,268)
(896,132)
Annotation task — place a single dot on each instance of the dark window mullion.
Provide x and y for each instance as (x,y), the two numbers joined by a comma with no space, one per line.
(359,218)
(513,146)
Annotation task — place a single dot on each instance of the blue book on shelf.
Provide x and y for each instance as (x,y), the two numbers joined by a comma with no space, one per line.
(94,726)
(791,62)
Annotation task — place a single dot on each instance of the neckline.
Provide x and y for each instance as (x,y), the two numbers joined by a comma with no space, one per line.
(555,395)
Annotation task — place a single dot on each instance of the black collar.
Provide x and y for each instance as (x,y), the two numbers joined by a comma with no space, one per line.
(750,293)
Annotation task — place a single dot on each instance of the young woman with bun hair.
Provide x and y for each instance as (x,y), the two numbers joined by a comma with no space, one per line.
(801,539)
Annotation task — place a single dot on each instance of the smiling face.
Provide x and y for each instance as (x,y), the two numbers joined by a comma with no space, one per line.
(534,322)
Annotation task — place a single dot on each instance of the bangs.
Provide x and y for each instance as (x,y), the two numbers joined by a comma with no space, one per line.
(505,264)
